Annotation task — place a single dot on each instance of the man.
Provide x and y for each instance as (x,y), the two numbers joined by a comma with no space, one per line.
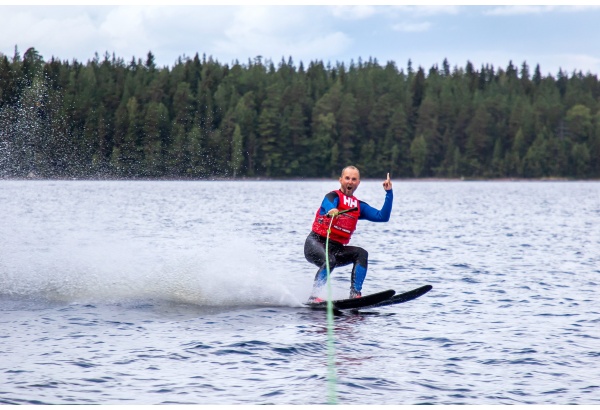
(344,224)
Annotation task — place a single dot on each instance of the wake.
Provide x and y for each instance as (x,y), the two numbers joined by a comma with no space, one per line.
(108,270)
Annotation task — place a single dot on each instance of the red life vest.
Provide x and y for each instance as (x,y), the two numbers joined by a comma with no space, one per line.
(343,225)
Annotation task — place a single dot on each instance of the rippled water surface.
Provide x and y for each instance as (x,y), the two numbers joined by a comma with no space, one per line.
(191,292)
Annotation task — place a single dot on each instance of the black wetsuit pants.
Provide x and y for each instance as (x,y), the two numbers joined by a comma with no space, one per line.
(339,255)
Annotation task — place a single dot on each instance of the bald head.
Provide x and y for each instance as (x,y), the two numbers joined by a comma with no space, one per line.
(349,180)
(352,167)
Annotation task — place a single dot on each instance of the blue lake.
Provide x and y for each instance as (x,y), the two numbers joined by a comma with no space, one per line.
(173,292)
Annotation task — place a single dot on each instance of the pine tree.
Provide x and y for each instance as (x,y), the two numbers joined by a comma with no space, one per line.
(580,159)
(536,159)
(236,151)
(398,133)
(323,137)
(579,121)
(155,130)
(418,153)
(269,126)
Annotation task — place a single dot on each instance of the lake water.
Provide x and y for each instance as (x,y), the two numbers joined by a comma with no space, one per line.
(191,293)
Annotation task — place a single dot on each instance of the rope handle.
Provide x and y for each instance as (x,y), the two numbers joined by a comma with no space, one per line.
(339,213)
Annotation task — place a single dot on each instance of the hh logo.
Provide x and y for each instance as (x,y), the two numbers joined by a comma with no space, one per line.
(350,202)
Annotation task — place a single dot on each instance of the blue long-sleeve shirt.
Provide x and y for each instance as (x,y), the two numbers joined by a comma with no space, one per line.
(366,211)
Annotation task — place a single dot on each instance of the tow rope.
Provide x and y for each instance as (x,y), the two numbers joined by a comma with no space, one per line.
(331,373)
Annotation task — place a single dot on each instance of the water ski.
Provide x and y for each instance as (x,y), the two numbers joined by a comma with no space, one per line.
(402,297)
(374,300)
(355,303)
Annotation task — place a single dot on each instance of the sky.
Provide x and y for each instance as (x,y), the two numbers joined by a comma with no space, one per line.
(555,37)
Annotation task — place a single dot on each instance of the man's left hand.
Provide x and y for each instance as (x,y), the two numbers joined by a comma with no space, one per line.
(387,184)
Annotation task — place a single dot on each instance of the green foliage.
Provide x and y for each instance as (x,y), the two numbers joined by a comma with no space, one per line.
(236,150)
(201,118)
(580,157)
(579,120)
(418,153)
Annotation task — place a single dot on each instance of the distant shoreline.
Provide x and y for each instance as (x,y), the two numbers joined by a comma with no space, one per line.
(300,179)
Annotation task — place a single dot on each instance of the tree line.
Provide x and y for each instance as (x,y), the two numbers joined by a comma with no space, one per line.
(201,119)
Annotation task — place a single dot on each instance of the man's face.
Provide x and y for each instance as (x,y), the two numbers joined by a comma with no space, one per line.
(349,181)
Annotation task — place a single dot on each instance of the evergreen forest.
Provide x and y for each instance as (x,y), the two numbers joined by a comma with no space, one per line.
(203,119)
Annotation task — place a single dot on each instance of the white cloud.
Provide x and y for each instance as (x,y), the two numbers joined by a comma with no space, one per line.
(226,33)
(516,10)
(124,26)
(420,11)
(275,33)
(519,10)
(366,11)
(412,27)
(354,12)
(306,33)
(51,34)
(570,62)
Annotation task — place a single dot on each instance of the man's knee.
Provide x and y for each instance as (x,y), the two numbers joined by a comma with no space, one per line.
(363,256)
